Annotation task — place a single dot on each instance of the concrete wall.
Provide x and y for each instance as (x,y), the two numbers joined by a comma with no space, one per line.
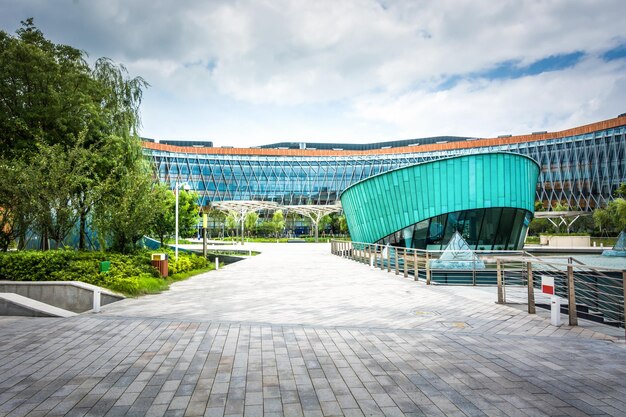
(566,241)
(68,295)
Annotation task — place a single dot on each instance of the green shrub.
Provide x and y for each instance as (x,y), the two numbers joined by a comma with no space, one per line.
(129,274)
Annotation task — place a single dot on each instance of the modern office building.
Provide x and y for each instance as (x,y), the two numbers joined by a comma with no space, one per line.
(487,198)
(579,167)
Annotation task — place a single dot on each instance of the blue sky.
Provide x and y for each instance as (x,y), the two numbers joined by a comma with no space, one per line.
(246,73)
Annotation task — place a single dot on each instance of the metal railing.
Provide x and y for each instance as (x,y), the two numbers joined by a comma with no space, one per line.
(418,262)
(594,293)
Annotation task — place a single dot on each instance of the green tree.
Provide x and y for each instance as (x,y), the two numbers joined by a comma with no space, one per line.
(53,180)
(52,101)
(343,224)
(187,213)
(251,220)
(278,223)
(163,222)
(123,211)
(603,220)
(231,222)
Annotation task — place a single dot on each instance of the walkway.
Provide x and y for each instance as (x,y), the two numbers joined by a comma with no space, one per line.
(296,331)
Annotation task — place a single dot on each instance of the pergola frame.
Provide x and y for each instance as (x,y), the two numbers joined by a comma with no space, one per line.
(562,216)
(315,213)
(241,208)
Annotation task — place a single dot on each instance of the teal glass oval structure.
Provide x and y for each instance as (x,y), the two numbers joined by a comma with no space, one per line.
(488,198)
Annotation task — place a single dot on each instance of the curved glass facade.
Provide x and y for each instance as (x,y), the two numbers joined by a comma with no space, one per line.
(498,228)
(488,198)
(582,166)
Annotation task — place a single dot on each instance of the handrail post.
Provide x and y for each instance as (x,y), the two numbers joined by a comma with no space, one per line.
(624,300)
(571,295)
(388,259)
(531,289)
(405,270)
(427,269)
(499,277)
(397,261)
(415,267)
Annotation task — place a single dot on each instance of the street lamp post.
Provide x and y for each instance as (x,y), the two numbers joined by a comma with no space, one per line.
(186,187)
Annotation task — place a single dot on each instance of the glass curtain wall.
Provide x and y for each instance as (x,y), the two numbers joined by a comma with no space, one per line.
(500,228)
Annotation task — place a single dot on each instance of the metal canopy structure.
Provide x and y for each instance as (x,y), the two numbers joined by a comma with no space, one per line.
(567,218)
(241,208)
(315,213)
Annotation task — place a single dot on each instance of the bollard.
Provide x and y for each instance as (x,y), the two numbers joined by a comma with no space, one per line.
(96,300)
(371,262)
(555,310)
(250,252)
(217,263)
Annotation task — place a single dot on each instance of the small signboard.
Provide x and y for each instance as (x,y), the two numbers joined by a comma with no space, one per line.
(547,284)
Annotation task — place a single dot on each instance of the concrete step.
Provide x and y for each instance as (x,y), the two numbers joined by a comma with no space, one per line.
(12,304)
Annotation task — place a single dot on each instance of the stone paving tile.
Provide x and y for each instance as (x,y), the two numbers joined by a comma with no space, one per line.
(330,338)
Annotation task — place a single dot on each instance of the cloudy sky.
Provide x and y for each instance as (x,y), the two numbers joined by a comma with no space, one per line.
(246,73)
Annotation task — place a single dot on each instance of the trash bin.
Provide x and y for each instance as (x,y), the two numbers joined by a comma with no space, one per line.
(159,261)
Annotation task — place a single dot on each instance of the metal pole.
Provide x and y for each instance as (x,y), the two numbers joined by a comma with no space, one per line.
(531,289)
(388,258)
(499,277)
(176,226)
(204,242)
(571,295)
(427,269)
(243,222)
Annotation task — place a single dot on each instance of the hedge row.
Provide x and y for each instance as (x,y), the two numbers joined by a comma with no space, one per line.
(129,274)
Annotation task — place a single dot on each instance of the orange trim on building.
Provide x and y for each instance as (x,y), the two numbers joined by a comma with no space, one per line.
(581,130)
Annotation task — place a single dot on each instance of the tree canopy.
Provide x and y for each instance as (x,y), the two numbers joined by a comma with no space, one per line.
(69,150)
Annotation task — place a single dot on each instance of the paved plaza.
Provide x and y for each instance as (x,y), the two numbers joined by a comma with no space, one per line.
(297,331)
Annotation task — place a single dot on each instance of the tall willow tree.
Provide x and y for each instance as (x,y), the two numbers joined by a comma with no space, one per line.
(56,109)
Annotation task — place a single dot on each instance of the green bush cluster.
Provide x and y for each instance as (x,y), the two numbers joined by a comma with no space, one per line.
(129,274)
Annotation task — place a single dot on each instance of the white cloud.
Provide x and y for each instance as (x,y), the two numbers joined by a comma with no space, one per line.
(371,67)
(590,91)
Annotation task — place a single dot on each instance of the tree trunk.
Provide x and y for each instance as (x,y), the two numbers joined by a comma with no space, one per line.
(43,243)
(81,229)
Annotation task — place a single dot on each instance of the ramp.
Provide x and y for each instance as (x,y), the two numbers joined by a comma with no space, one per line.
(16,305)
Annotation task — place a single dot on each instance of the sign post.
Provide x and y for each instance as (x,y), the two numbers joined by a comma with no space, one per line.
(547,287)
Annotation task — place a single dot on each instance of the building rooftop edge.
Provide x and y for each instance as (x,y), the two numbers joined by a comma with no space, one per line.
(462,144)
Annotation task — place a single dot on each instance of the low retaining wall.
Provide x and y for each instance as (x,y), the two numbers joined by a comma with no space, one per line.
(565,241)
(68,295)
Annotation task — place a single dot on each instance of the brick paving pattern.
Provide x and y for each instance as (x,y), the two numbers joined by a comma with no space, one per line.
(299,332)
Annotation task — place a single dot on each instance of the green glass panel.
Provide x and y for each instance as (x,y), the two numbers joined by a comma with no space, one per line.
(385,203)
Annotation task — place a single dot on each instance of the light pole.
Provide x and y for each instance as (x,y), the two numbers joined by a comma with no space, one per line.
(186,187)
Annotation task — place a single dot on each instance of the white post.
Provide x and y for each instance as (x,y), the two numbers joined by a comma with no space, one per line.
(371,261)
(555,310)
(217,263)
(176,227)
(96,300)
